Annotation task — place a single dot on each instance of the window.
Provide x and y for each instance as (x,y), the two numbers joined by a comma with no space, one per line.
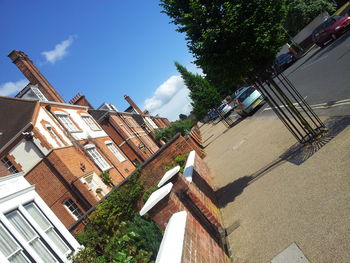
(98,159)
(67,122)
(9,165)
(30,236)
(54,134)
(89,180)
(90,122)
(10,248)
(151,122)
(47,227)
(115,151)
(73,208)
(39,94)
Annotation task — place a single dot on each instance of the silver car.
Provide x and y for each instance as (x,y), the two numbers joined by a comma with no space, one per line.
(247,99)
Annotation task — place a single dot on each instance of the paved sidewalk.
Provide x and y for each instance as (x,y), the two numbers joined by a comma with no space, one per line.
(271,199)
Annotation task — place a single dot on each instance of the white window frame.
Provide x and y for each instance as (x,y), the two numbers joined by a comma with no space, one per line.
(72,208)
(89,181)
(19,249)
(110,145)
(53,134)
(90,122)
(39,94)
(67,122)
(36,236)
(49,226)
(97,157)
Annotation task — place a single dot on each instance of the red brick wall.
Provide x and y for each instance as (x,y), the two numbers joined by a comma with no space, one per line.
(154,170)
(128,133)
(199,246)
(127,149)
(195,146)
(53,191)
(124,168)
(3,170)
(199,240)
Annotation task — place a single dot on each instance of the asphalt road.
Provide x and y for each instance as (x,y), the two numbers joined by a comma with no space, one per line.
(323,78)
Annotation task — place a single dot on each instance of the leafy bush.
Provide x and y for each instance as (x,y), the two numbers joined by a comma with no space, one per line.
(116,233)
(180,126)
(106,178)
(179,160)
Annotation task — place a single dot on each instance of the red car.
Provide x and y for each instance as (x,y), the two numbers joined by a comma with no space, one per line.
(332,28)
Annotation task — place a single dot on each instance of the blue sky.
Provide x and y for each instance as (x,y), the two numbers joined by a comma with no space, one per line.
(102,49)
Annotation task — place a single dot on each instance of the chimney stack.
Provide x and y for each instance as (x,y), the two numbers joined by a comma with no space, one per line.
(81,100)
(26,66)
(133,104)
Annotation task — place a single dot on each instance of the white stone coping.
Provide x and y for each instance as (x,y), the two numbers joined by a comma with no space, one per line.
(168,175)
(189,166)
(171,247)
(156,197)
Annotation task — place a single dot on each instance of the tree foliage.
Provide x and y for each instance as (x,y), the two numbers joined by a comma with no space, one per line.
(204,97)
(229,38)
(302,12)
(116,233)
(167,133)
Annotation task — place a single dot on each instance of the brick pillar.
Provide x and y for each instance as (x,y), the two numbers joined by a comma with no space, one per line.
(26,66)
(200,237)
(133,104)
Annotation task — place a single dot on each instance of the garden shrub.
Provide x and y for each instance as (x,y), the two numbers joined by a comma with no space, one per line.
(116,233)
(180,126)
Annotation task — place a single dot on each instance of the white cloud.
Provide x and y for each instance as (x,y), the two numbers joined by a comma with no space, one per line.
(59,51)
(11,88)
(169,99)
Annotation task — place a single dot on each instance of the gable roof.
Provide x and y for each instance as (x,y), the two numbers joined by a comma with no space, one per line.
(15,114)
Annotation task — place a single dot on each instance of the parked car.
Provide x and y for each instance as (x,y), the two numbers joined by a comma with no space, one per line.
(213,114)
(225,109)
(330,29)
(248,99)
(283,61)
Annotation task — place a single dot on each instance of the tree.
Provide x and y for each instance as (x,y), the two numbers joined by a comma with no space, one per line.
(229,39)
(182,117)
(204,97)
(302,12)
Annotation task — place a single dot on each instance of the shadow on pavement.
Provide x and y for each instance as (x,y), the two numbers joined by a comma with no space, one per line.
(297,154)
(229,192)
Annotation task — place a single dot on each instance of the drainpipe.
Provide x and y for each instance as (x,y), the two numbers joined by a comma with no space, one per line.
(82,200)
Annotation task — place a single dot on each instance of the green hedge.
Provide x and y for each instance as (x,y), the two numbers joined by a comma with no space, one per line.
(116,233)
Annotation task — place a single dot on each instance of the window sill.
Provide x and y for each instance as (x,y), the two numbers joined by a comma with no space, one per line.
(80,131)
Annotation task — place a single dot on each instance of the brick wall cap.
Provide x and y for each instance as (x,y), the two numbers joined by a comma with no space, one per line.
(189,166)
(168,175)
(156,197)
(170,250)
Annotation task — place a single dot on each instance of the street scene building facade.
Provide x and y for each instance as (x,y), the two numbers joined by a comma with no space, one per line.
(63,150)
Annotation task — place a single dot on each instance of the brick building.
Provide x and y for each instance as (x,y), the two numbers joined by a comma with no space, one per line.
(59,147)
(132,130)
